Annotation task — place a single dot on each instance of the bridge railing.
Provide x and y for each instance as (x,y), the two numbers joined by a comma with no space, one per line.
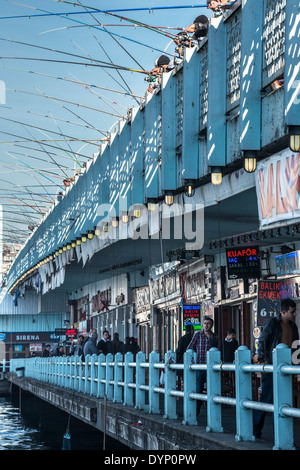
(137,383)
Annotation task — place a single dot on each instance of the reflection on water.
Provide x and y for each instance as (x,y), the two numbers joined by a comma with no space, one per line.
(40,426)
(14,432)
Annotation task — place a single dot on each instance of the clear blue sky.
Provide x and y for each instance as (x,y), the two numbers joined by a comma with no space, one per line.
(21,167)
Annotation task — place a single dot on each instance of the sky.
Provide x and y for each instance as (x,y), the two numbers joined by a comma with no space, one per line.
(35,161)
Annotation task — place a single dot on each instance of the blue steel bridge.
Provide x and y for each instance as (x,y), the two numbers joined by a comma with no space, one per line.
(188,153)
(215,111)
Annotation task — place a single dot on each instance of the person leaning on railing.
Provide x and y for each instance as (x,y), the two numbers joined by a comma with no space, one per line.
(281,329)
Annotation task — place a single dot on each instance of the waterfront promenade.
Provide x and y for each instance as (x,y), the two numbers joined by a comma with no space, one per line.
(125,398)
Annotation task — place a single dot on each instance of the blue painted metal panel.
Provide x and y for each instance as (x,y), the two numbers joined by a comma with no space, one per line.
(152,136)
(250,99)
(124,166)
(137,157)
(168,133)
(190,123)
(292,64)
(216,121)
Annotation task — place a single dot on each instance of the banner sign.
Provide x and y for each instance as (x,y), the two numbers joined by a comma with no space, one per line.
(269,295)
(191,316)
(243,263)
(277,188)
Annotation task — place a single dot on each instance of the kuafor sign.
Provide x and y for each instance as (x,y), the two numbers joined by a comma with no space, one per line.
(243,262)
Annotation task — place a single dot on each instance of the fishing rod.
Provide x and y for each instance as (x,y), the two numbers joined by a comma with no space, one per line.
(95,27)
(152,28)
(69,13)
(110,25)
(40,159)
(54,50)
(64,101)
(48,117)
(51,132)
(114,67)
(74,81)
(43,151)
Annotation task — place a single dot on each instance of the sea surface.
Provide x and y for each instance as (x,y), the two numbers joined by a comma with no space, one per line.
(28,423)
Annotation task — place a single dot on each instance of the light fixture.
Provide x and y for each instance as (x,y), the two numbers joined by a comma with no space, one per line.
(115,222)
(97,231)
(151,206)
(68,246)
(169,198)
(125,218)
(60,251)
(105,228)
(249,161)
(216,175)
(189,189)
(90,235)
(137,213)
(78,241)
(294,134)
(64,248)
(73,244)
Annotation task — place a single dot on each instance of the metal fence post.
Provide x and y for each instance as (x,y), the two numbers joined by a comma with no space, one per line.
(118,378)
(213,381)
(109,388)
(140,379)
(128,378)
(282,397)
(170,384)
(153,382)
(243,390)
(86,374)
(189,384)
(101,376)
(93,387)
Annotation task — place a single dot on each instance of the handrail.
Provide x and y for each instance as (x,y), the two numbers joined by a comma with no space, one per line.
(123,380)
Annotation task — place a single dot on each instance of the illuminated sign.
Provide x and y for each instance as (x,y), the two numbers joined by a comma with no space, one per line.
(243,263)
(269,295)
(192,316)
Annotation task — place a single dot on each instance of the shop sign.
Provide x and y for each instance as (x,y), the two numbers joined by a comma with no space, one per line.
(243,263)
(277,183)
(269,295)
(29,337)
(36,347)
(142,299)
(288,264)
(191,316)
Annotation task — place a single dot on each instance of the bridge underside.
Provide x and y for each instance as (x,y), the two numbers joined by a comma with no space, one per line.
(125,256)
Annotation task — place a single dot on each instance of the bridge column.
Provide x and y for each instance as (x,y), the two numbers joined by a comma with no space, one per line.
(153,382)
(140,379)
(170,384)
(189,385)
(213,380)
(282,397)
(118,378)
(128,378)
(243,391)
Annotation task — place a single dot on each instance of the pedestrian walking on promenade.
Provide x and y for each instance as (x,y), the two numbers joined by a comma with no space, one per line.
(281,329)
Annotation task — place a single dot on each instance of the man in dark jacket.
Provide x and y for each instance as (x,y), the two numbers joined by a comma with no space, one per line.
(183,343)
(281,329)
